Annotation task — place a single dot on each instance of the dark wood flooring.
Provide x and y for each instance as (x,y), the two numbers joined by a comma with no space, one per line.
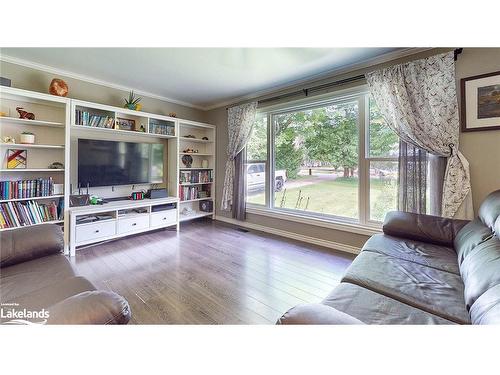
(211,273)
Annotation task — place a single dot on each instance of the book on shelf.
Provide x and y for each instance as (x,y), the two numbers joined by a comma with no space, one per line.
(26,213)
(156,127)
(187,193)
(96,121)
(34,188)
(195,177)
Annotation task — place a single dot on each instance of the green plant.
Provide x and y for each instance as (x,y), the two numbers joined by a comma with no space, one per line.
(27,133)
(132,100)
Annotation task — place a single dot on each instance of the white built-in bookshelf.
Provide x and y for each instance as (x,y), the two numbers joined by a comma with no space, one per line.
(60,122)
(196,182)
(31,202)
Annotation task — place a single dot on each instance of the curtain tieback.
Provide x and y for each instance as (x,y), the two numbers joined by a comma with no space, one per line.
(452,148)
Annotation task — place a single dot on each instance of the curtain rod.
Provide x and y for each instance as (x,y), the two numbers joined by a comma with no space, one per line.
(306,91)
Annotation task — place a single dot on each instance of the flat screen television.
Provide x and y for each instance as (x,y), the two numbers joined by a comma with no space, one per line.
(110,163)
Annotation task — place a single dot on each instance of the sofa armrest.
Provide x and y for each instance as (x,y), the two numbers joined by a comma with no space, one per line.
(91,307)
(426,228)
(316,313)
(25,244)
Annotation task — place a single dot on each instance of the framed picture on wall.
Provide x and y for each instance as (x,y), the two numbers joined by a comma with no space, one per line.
(480,102)
(16,159)
(125,124)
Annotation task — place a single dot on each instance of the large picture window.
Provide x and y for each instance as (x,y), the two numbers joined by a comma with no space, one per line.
(333,159)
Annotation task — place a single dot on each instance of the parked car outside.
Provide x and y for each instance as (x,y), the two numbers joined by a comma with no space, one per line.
(256,177)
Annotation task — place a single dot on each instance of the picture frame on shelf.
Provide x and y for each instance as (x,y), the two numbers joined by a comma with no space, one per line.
(125,124)
(480,102)
(17,158)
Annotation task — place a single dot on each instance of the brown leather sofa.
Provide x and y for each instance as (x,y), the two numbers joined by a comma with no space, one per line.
(38,284)
(421,270)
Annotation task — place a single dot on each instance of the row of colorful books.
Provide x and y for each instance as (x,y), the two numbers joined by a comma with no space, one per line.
(39,187)
(98,121)
(20,214)
(187,193)
(195,177)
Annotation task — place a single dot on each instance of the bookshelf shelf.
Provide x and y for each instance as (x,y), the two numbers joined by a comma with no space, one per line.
(132,133)
(33,198)
(195,216)
(195,154)
(196,140)
(195,169)
(197,200)
(22,121)
(33,225)
(32,170)
(195,183)
(25,145)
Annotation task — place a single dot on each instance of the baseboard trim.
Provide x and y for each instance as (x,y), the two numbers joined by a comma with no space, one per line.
(295,236)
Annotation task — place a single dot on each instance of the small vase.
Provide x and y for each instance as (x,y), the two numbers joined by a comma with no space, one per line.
(27,139)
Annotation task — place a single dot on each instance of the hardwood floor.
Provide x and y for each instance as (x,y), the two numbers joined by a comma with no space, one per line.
(211,273)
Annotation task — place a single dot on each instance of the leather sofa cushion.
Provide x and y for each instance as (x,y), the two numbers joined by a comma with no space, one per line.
(469,237)
(435,291)
(24,278)
(481,270)
(427,254)
(54,293)
(489,210)
(25,244)
(374,308)
(316,313)
(425,228)
(486,309)
(91,307)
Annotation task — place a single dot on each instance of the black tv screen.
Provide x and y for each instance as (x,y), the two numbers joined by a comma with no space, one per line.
(110,163)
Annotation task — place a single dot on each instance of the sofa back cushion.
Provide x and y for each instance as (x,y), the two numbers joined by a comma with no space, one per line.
(480,270)
(473,234)
(24,244)
(490,209)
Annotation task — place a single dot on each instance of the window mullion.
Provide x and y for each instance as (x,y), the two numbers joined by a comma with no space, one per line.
(363,169)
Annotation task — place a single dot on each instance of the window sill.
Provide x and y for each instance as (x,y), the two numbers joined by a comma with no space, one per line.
(367,230)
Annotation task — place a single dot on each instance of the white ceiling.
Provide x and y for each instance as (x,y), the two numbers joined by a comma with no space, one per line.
(201,77)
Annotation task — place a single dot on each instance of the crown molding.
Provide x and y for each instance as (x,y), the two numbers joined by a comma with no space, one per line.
(96,81)
(324,75)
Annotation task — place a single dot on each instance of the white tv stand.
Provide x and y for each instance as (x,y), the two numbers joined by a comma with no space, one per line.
(124,217)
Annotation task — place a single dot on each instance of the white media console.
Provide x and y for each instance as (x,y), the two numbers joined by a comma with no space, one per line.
(91,224)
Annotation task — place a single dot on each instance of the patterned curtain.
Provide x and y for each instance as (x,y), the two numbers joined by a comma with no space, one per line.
(240,121)
(419,102)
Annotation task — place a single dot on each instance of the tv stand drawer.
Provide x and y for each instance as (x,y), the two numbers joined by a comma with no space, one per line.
(133,224)
(89,232)
(163,218)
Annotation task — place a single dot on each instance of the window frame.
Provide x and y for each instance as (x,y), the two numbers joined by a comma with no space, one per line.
(359,94)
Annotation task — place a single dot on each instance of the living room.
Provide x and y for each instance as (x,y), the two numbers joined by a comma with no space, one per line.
(280,191)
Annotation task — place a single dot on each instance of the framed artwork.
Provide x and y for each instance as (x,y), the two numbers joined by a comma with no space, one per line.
(16,159)
(125,124)
(480,102)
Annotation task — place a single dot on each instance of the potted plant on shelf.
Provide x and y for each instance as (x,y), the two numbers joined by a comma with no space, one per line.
(27,138)
(133,102)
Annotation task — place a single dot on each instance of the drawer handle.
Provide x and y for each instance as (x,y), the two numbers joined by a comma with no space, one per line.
(97,231)
(164,218)
(133,224)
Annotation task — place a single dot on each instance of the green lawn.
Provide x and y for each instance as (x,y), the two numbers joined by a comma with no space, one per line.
(335,197)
